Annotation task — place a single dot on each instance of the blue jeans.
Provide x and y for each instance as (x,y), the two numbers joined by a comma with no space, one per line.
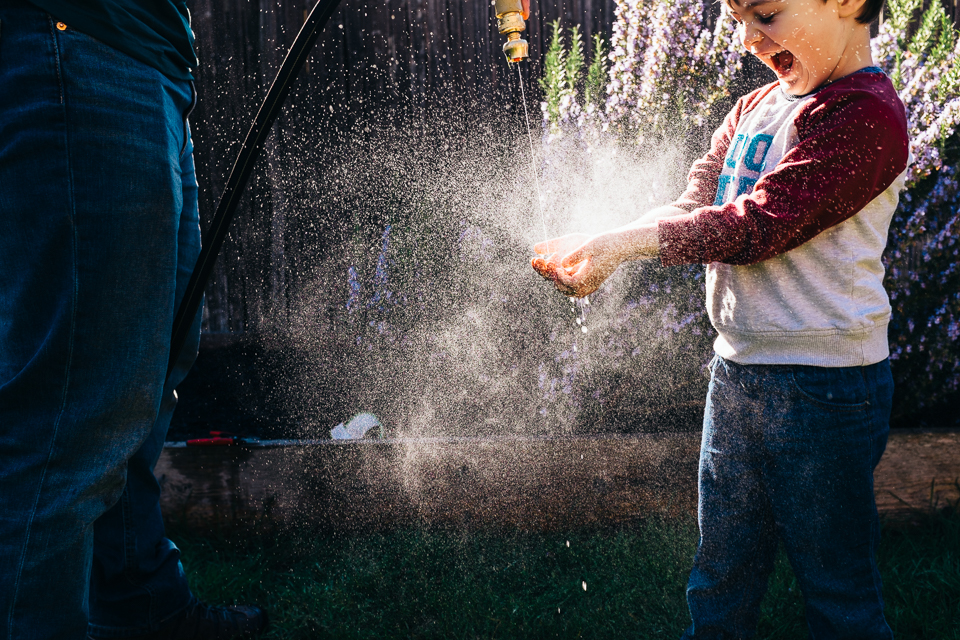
(98,233)
(788,454)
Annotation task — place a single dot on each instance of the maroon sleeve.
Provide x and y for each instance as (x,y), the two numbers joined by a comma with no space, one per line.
(852,145)
(702,180)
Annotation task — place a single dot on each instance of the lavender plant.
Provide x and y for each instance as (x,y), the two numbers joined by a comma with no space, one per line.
(922,258)
(665,71)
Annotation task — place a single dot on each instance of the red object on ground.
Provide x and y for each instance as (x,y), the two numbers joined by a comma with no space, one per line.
(217,438)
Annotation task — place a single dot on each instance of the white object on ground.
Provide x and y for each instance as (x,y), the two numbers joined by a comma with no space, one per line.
(357,428)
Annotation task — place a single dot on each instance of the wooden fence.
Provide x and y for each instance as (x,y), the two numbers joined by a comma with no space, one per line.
(402,53)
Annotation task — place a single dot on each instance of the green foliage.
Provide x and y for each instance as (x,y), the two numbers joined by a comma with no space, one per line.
(946,41)
(566,91)
(896,77)
(553,81)
(930,24)
(573,69)
(901,14)
(594,90)
(942,55)
(945,55)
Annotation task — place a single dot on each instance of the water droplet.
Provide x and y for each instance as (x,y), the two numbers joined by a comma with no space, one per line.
(584,585)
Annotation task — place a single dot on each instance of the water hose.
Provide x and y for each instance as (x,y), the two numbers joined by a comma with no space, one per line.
(240,174)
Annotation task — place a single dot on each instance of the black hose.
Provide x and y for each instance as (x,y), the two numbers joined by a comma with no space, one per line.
(240,173)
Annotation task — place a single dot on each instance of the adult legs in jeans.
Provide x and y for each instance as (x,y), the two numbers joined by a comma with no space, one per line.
(137,580)
(92,204)
(788,454)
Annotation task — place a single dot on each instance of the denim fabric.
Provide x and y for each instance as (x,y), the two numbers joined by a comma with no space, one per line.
(98,211)
(788,454)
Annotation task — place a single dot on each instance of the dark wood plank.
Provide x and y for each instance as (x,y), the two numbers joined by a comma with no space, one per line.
(919,472)
(516,483)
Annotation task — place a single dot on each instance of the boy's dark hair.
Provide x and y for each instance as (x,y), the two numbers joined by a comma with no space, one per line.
(870,11)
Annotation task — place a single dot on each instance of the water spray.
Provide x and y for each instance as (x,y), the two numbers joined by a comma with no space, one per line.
(511,15)
(510,22)
(240,174)
(533,158)
(577,303)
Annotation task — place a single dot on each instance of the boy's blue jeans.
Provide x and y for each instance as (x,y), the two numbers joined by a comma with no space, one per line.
(98,233)
(788,454)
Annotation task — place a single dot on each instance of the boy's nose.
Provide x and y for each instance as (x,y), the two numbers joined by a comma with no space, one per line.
(750,36)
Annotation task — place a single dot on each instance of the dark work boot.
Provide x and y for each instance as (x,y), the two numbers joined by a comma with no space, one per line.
(202,622)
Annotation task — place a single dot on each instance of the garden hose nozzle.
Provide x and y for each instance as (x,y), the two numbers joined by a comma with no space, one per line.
(510,23)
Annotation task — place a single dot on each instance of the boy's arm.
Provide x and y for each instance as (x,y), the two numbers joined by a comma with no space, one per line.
(704,175)
(666,211)
(852,146)
(638,239)
(578,264)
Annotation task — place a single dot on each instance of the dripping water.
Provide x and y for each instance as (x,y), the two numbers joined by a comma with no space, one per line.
(578,303)
(533,157)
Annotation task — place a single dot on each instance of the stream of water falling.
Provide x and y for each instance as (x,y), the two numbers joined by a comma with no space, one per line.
(533,156)
(581,303)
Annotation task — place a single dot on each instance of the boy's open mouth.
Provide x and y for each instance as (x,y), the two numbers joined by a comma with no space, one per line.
(782,62)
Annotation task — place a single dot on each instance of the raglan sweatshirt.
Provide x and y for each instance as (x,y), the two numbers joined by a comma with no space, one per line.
(790,210)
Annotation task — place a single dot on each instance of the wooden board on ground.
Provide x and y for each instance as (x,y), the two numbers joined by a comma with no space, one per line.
(919,473)
(517,483)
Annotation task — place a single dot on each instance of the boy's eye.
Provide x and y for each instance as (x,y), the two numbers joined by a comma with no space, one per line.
(767,19)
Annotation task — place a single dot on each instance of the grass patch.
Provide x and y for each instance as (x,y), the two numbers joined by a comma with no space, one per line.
(430,584)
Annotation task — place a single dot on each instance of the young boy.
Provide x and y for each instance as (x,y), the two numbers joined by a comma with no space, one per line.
(790,211)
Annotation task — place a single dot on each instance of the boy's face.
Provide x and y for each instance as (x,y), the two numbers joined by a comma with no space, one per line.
(803,41)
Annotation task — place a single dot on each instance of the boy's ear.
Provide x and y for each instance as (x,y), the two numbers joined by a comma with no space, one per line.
(850,8)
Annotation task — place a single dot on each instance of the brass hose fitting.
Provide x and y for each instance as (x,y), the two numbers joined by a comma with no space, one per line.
(510,23)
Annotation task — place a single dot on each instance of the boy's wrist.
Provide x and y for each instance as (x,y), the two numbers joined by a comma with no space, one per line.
(636,242)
